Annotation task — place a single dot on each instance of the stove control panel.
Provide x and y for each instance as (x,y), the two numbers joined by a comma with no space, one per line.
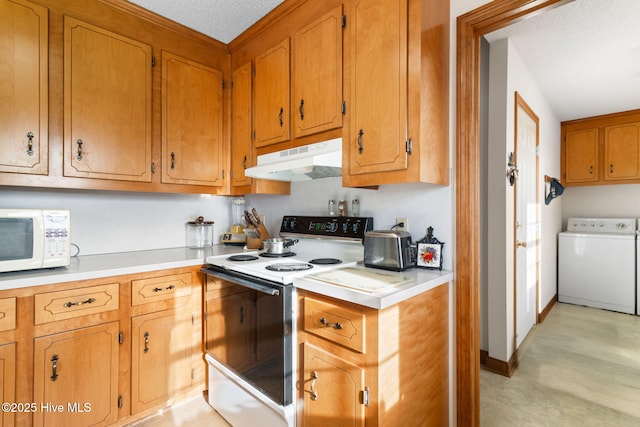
(338,227)
(602,225)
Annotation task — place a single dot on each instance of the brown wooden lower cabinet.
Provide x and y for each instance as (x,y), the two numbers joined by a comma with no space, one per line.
(7,380)
(76,377)
(106,351)
(332,386)
(160,357)
(361,366)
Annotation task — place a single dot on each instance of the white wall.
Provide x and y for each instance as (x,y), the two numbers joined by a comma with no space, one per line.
(508,74)
(424,205)
(601,201)
(108,221)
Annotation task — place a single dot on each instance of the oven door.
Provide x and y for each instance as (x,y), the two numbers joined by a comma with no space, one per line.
(249,330)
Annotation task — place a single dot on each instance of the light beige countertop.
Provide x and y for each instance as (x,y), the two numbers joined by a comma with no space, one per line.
(407,283)
(402,285)
(116,264)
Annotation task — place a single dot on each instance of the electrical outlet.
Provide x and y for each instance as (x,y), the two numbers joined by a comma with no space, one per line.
(403,220)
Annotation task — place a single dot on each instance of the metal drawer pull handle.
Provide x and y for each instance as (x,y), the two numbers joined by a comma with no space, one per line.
(79,156)
(280,116)
(146,342)
(54,367)
(30,144)
(168,288)
(72,304)
(244,162)
(336,325)
(314,395)
(173,160)
(360,147)
(301,109)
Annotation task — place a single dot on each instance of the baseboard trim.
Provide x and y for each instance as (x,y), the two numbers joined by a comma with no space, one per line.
(545,312)
(498,366)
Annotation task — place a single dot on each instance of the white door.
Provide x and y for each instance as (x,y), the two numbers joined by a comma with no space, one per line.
(527,220)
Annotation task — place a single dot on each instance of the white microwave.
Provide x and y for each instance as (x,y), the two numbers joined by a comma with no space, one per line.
(34,238)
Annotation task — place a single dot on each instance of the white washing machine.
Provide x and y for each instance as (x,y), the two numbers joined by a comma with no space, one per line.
(597,263)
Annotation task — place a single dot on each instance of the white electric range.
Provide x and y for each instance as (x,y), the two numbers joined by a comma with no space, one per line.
(258,389)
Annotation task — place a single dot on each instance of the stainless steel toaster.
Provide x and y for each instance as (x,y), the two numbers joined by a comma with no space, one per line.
(389,250)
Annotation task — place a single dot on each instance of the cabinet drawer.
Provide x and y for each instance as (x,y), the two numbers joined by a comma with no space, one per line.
(70,303)
(161,288)
(7,314)
(336,323)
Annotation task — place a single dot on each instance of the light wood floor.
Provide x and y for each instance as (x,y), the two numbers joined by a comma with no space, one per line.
(194,412)
(580,367)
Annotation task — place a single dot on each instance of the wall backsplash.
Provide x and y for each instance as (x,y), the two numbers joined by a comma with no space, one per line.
(424,204)
(107,222)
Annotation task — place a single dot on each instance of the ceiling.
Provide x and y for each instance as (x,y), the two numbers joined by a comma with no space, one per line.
(584,55)
(222,20)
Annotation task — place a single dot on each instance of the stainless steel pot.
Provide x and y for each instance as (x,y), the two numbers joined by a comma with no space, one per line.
(278,245)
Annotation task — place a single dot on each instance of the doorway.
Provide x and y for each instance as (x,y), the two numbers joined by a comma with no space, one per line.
(470,28)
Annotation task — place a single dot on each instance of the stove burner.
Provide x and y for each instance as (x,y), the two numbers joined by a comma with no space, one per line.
(282,255)
(243,258)
(325,261)
(289,266)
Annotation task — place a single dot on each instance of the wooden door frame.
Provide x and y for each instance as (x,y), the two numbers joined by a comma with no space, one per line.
(470,28)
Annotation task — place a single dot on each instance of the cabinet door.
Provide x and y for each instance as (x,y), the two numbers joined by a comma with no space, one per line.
(107,104)
(378,62)
(230,335)
(7,381)
(24,89)
(332,390)
(317,75)
(581,156)
(622,152)
(271,96)
(76,376)
(241,125)
(160,357)
(192,118)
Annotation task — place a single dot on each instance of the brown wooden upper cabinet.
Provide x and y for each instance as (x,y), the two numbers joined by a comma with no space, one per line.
(378,86)
(271,96)
(24,92)
(622,152)
(107,104)
(581,147)
(240,125)
(317,75)
(396,54)
(192,122)
(601,150)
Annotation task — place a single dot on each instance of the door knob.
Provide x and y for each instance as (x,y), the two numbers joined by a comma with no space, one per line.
(521,244)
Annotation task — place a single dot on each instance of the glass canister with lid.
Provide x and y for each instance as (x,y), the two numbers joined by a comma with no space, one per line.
(199,233)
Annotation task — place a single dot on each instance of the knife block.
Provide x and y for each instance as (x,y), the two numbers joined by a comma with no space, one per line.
(256,243)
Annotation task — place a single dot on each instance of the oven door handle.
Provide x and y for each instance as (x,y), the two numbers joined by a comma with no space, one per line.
(251,284)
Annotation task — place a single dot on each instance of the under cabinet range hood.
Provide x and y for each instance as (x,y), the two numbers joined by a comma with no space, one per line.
(314,161)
